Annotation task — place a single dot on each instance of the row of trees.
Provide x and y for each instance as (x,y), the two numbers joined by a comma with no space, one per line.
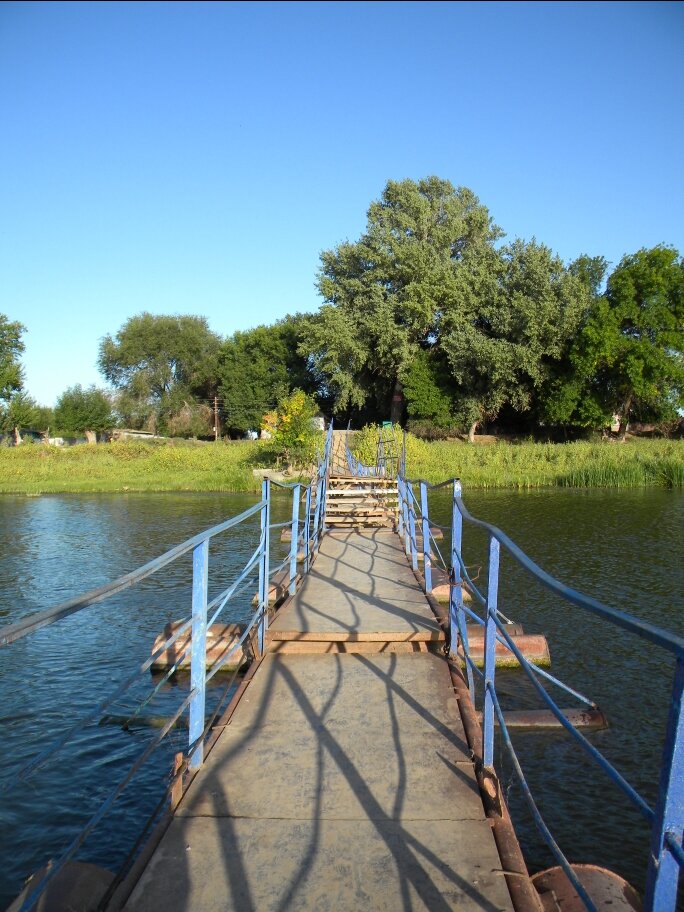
(427,317)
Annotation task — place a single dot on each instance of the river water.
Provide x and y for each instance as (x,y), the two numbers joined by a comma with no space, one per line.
(622,547)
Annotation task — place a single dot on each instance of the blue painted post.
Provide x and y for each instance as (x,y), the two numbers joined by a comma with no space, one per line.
(457,618)
(412,524)
(400,528)
(264,563)
(427,566)
(663,871)
(490,651)
(294,544)
(407,528)
(317,513)
(307,531)
(198,665)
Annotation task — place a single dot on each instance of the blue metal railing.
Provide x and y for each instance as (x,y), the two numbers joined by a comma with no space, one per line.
(306,534)
(667,818)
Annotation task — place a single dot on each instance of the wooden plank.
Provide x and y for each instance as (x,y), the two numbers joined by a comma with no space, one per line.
(357,636)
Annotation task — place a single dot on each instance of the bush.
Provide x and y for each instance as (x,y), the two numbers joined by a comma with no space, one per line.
(294,439)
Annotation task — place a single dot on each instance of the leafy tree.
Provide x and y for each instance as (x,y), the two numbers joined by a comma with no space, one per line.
(80,411)
(153,357)
(11,347)
(429,389)
(18,411)
(293,435)
(43,418)
(508,323)
(629,357)
(191,420)
(384,295)
(258,367)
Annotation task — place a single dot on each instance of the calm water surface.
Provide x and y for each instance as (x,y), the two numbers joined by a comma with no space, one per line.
(622,547)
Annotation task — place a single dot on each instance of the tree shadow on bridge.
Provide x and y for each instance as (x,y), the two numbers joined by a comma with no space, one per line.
(300,806)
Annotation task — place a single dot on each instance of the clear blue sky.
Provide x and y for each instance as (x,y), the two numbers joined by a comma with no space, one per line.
(196,158)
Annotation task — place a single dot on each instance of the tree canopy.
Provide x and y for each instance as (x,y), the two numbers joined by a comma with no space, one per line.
(83,411)
(628,358)
(385,294)
(159,364)
(257,368)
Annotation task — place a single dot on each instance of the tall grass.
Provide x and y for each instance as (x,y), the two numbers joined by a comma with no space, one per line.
(633,464)
(187,466)
(129,466)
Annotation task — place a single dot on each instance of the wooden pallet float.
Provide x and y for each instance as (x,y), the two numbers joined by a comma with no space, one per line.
(221,638)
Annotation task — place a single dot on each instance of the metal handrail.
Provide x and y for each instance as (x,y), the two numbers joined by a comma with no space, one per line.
(204,613)
(667,819)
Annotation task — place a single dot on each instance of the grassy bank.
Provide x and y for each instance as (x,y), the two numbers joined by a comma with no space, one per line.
(128,466)
(633,464)
(187,466)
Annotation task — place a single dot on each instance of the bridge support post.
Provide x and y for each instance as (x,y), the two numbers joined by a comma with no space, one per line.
(490,653)
(318,513)
(400,495)
(412,525)
(307,531)
(663,869)
(200,585)
(294,544)
(457,621)
(264,563)
(427,567)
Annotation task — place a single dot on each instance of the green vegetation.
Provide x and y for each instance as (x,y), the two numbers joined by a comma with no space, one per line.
(80,411)
(188,466)
(581,464)
(427,319)
(129,466)
(294,438)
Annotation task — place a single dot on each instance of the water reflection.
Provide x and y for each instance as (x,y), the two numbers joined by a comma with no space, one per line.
(622,547)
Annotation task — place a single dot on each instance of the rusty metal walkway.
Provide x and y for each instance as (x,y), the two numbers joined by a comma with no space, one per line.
(342,779)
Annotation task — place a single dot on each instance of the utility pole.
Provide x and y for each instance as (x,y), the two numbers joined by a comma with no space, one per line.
(216,418)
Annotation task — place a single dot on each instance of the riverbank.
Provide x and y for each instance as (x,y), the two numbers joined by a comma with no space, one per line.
(191,466)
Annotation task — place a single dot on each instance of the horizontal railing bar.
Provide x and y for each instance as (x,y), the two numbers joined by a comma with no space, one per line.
(289,487)
(258,614)
(230,591)
(588,747)
(538,819)
(537,670)
(13,632)
(279,567)
(104,808)
(62,739)
(675,848)
(644,629)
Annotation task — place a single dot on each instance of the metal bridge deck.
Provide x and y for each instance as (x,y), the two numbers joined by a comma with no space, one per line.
(342,781)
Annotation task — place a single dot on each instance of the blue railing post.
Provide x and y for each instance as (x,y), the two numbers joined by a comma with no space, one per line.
(490,652)
(663,869)
(307,531)
(400,496)
(457,618)
(427,566)
(317,513)
(412,525)
(294,544)
(198,664)
(264,563)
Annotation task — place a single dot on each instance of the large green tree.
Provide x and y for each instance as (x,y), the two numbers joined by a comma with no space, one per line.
(83,411)
(385,294)
(508,322)
(158,363)
(628,359)
(257,368)
(16,408)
